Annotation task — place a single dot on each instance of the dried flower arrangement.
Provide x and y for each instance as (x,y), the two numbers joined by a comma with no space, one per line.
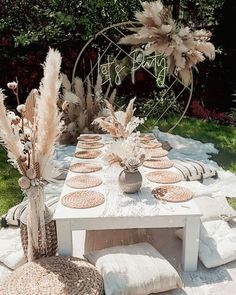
(29,140)
(119,124)
(182,47)
(81,106)
(122,150)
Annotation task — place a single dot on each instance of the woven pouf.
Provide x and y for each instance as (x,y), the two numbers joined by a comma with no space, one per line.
(54,276)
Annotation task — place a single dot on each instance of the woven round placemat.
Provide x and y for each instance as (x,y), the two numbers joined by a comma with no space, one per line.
(83,199)
(84,181)
(87,154)
(150,145)
(85,167)
(89,138)
(164,177)
(158,154)
(146,137)
(54,276)
(158,164)
(172,193)
(90,145)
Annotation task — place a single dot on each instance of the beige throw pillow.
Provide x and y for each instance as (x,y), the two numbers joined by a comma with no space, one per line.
(137,269)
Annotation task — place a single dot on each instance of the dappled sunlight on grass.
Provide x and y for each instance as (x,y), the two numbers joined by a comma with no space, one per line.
(223,137)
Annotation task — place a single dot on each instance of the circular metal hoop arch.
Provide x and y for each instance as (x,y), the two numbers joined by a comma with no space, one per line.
(132,23)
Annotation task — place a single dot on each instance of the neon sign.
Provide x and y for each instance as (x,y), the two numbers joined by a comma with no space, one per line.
(114,71)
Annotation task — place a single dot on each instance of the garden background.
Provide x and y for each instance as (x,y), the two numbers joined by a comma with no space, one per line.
(28,27)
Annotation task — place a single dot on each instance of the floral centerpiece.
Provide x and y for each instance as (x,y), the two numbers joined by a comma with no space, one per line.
(130,157)
(29,139)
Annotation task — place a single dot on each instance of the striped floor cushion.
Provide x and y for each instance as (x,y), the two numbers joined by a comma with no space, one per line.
(194,170)
(13,215)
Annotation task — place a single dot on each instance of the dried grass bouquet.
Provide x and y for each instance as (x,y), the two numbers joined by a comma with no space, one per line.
(29,139)
(182,47)
(81,105)
(119,124)
(122,150)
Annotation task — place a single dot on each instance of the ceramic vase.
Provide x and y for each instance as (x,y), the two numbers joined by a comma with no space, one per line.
(130,181)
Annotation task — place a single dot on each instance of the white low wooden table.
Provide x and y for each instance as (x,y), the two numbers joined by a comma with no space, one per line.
(140,210)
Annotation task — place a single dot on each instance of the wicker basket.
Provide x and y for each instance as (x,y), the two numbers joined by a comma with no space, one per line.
(51,236)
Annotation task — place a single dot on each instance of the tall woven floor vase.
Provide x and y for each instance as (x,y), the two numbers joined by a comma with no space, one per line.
(38,230)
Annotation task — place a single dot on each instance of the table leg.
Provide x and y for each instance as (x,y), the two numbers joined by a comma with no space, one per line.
(64,237)
(191,243)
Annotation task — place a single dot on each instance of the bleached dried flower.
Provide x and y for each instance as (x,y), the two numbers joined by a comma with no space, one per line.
(35,182)
(31,173)
(12,85)
(21,108)
(28,146)
(23,158)
(16,120)
(11,115)
(132,164)
(24,182)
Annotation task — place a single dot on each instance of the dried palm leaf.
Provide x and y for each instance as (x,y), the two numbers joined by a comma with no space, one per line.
(79,91)
(89,101)
(65,82)
(112,97)
(30,105)
(98,88)
(129,112)
(106,126)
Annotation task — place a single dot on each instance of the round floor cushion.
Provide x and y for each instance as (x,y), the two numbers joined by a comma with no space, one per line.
(54,276)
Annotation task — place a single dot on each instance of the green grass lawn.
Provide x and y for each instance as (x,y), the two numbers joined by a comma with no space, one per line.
(223,137)
(10,193)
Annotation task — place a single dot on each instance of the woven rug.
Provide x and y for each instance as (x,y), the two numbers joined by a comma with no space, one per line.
(84,181)
(146,137)
(158,164)
(164,177)
(54,276)
(172,193)
(85,167)
(83,199)
(87,154)
(89,138)
(90,145)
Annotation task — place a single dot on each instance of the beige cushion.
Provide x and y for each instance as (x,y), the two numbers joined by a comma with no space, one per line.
(215,208)
(137,269)
(217,244)
(11,252)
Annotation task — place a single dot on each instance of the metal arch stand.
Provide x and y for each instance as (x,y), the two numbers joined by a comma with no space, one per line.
(186,107)
(93,38)
(132,23)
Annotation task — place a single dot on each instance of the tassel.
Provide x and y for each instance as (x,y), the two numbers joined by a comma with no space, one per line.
(36,222)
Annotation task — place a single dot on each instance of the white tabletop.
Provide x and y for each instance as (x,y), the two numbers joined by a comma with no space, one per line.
(117,204)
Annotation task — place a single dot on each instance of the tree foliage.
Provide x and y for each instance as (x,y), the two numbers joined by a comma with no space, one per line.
(57,21)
